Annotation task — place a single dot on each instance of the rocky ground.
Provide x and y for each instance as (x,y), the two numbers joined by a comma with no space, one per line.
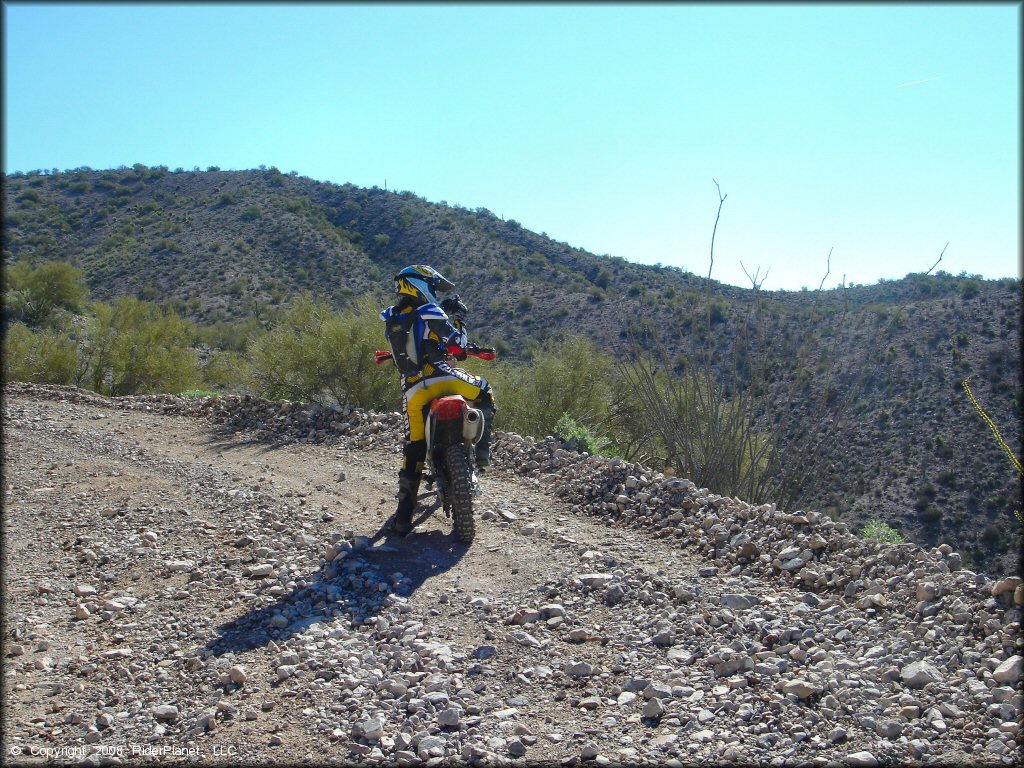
(211,581)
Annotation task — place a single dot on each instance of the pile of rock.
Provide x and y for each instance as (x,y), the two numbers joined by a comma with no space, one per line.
(283,420)
(805,549)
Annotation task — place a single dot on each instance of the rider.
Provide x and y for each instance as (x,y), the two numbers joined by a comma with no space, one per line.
(424,338)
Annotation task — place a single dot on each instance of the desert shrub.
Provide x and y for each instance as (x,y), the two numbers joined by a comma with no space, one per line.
(628,422)
(229,336)
(719,309)
(688,422)
(969,289)
(198,392)
(579,437)
(134,347)
(42,357)
(33,294)
(169,246)
(226,370)
(992,535)
(567,375)
(876,530)
(317,355)
(924,496)
(931,514)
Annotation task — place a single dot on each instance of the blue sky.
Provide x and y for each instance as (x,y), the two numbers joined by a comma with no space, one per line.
(604,126)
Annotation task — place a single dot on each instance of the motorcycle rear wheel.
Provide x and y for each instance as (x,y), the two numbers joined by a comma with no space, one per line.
(460,491)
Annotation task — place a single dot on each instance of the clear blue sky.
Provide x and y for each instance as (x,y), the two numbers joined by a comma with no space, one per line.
(601,125)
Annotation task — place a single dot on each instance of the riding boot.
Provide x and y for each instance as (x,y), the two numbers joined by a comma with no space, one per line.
(483,447)
(408,488)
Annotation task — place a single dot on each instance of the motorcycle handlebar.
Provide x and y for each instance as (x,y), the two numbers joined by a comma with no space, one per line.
(484,353)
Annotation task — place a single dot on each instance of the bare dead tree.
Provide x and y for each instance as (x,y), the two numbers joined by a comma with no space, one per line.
(714,231)
(933,266)
(756,428)
(828,269)
(754,281)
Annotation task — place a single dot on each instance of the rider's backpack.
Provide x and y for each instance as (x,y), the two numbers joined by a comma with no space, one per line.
(401,339)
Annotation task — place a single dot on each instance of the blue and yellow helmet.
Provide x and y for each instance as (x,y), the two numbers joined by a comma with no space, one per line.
(421,283)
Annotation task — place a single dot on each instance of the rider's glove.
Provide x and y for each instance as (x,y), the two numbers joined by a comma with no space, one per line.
(454,308)
(457,352)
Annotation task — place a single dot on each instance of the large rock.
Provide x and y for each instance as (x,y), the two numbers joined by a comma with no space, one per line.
(595,580)
(864,758)
(580,669)
(449,718)
(800,688)
(918,674)
(889,728)
(370,729)
(1009,584)
(737,602)
(653,708)
(1009,671)
(525,638)
(165,712)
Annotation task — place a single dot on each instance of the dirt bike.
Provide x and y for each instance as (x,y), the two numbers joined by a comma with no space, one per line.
(452,428)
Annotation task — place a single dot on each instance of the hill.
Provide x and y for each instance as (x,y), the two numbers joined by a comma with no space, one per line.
(223,245)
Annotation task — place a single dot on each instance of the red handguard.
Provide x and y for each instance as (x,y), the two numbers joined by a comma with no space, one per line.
(381,357)
(484,353)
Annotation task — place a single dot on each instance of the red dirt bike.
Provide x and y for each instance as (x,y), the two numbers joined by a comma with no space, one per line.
(453,427)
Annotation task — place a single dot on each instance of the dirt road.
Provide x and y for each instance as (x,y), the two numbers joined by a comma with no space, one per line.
(177,589)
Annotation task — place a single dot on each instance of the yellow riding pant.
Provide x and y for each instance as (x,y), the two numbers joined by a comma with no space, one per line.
(442,380)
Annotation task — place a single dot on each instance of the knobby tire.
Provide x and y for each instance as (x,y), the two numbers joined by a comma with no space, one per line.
(460,491)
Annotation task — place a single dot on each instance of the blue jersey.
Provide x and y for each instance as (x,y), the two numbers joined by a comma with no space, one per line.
(420,336)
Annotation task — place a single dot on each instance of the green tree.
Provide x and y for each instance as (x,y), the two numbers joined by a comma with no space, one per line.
(33,294)
(317,355)
(42,357)
(134,347)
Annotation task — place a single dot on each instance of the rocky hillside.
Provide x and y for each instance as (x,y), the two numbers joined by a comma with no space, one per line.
(910,450)
(211,580)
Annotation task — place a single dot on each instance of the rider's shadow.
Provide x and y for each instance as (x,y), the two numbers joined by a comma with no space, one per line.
(350,586)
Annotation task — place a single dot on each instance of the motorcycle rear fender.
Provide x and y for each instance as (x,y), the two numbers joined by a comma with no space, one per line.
(449,407)
(452,407)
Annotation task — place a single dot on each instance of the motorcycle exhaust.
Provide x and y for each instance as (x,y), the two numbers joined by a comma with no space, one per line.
(473,425)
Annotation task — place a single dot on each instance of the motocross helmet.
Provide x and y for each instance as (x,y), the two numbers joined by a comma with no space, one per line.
(421,284)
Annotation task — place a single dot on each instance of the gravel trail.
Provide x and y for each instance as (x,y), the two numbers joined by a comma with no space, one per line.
(212,581)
